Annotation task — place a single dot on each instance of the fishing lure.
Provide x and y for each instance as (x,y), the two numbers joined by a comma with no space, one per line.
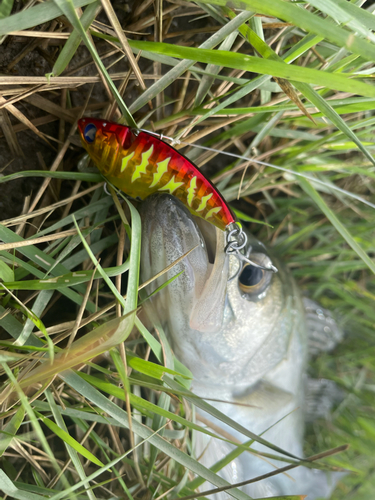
(140,163)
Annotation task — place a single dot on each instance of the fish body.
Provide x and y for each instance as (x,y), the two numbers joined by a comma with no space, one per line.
(140,164)
(245,341)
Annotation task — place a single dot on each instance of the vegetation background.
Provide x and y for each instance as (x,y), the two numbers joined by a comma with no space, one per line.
(281,82)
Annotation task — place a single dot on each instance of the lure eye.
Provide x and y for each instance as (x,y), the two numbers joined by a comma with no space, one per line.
(89,133)
(253,282)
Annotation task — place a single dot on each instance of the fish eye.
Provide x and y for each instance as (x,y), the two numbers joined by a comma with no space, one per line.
(250,276)
(253,282)
(89,133)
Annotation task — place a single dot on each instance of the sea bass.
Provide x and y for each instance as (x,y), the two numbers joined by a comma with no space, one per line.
(244,340)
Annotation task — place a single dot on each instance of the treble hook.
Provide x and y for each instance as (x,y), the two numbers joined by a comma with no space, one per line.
(237,241)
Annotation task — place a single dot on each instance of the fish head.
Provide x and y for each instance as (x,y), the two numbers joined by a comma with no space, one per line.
(229,332)
(103,141)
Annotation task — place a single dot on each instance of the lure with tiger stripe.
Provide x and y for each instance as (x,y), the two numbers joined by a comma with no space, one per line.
(141,164)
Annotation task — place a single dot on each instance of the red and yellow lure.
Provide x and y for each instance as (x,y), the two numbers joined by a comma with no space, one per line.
(140,164)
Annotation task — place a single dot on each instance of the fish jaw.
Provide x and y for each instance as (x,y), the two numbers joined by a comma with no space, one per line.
(168,232)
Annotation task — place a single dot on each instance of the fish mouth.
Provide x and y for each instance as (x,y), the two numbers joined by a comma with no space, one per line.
(169,231)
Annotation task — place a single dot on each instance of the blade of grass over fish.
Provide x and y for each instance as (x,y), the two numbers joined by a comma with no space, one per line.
(164,399)
(73,453)
(68,9)
(307,21)
(183,66)
(34,16)
(309,189)
(141,403)
(224,418)
(74,39)
(114,411)
(339,449)
(263,66)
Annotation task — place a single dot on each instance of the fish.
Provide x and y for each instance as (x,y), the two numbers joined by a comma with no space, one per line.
(243,337)
(140,163)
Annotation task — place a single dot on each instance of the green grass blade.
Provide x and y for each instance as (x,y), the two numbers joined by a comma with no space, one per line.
(262,66)
(121,416)
(332,115)
(10,429)
(183,66)
(72,452)
(67,438)
(224,418)
(212,71)
(307,21)
(78,176)
(344,16)
(43,260)
(74,40)
(34,16)
(95,261)
(34,421)
(5,8)
(6,273)
(306,90)
(134,259)
(310,190)
(66,280)
(8,487)
(39,305)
